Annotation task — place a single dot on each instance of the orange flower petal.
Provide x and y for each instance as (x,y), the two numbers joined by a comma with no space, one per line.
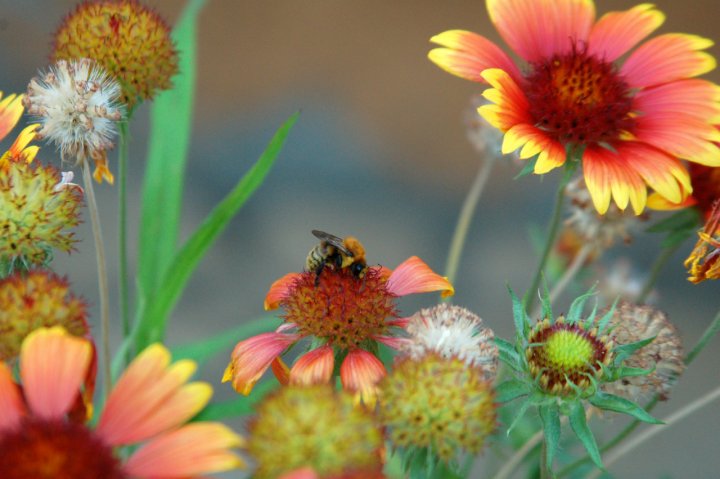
(616,33)
(663,173)
(313,367)
(11,403)
(511,106)
(680,135)
(699,99)
(279,290)
(359,373)
(659,202)
(414,276)
(537,29)
(534,141)
(392,341)
(281,371)
(194,449)
(252,357)
(606,176)
(52,368)
(666,58)
(11,109)
(151,396)
(102,171)
(467,54)
(304,473)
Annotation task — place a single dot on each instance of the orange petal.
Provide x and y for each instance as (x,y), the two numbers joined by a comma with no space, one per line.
(392,341)
(680,135)
(279,290)
(252,357)
(359,373)
(666,58)
(537,29)
(11,403)
(53,364)
(510,105)
(304,473)
(663,173)
(659,202)
(194,449)
(102,172)
(607,176)
(534,141)
(616,33)
(313,367)
(699,99)
(150,397)
(11,109)
(414,276)
(467,54)
(281,371)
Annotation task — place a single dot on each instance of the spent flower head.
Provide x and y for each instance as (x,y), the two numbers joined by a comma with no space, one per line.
(76,102)
(128,39)
(317,427)
(37,216)
(629,123)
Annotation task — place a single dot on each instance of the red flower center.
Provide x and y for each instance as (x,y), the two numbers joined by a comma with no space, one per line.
(56,450)
(342,309)
(578,98)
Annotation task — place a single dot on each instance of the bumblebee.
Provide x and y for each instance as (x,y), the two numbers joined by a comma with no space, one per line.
(336,253)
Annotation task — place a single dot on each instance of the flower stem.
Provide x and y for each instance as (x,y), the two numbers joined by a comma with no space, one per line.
(122,229)
(466,214)
(512,463)
(102,272)
(674,418)
(709,333)
(660,262)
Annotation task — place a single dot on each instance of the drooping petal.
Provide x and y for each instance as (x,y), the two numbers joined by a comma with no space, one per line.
(666,58)
(616,33)
(680,135)
(537,29)
(281,371)
(151,396)
(52,368)
(11,404)
(192,450)
(695,98)
(663,173)
(607,176)
(252,357)
(509,105)
(551,154)
(414,276)
(11,109)
(467,54)
(102,170)
(360,373)
(279,290)
(313,367)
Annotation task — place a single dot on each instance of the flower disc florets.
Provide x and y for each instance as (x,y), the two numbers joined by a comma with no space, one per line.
(340,308)
(313,426)
(37,216)
(560,354)
(131,41)
(439,403)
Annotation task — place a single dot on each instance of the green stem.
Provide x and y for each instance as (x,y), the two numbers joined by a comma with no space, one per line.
(517,458)
(102,273)
(531,293)
(122,229)
(709,333)
(660,262)
(466,214)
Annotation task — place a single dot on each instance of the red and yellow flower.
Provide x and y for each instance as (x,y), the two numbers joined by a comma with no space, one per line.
(345,316)
(703,262)
(150,404)
(11,109)
(705,181)
(630,124)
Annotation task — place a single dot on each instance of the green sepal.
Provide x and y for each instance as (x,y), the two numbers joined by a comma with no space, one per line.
(550,418)
(605,320)
(611,402)
(624,351)
(578,305)
(519,316)
(508,354)
(578,423)
(528,168)
(628,372)
(511,389)
(545,300)
(521,412)
(590,320)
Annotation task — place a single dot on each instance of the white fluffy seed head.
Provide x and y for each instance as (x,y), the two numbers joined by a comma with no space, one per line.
(77,104)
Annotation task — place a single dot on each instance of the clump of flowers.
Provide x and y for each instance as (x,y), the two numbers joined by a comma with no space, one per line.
(628,124)
(344,316)
(703,261)
(37,216)
(663,356)
(561,365)
(150,405)
(36,299)
(77,105)
(314,427)
(439,396)
(128,39)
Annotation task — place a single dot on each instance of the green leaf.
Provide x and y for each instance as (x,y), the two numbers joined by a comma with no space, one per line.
(519,315)
(578,305)
(171,116)
(507,353)
(687,218)
(528,168)
(545,300)
(239,406)
(627,372)
(583,432)
(205,349)
(615,403)
(550,417)
(624,351)
(510,390)
(153,317)
(520,413)
(676,238)
(605,320)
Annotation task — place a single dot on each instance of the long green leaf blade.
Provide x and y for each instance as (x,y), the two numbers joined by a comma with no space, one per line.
(550,417)
(579,425)
(611,402)
(239,406)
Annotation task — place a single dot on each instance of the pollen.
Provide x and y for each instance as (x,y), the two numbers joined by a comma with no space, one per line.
(41,449)
(342,309)
(579,99)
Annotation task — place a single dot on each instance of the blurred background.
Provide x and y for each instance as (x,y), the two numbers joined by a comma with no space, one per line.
(380,152)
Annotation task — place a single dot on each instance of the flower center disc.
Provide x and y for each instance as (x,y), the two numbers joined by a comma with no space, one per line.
(56,450)
(579,99)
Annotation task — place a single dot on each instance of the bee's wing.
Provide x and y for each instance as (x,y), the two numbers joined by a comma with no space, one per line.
(332,240)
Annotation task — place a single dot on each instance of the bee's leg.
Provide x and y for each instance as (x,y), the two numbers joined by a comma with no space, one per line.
(318,271)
